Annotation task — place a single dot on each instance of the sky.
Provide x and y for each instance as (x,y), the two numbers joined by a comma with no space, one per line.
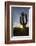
(16,13)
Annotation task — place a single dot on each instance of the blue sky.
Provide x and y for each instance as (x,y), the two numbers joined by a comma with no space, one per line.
(16,13)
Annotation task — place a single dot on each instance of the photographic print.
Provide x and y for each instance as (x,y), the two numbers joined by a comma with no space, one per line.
(19,22)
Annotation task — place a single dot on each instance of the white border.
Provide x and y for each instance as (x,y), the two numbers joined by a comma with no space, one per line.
(30,32)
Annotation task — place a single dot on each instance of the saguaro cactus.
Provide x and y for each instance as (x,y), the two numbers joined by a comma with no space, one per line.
(22,19)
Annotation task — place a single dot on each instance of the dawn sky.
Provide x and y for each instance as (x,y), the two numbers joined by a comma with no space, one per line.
(17,13)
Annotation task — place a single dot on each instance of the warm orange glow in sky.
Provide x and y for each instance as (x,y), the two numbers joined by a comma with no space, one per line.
(19,26)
